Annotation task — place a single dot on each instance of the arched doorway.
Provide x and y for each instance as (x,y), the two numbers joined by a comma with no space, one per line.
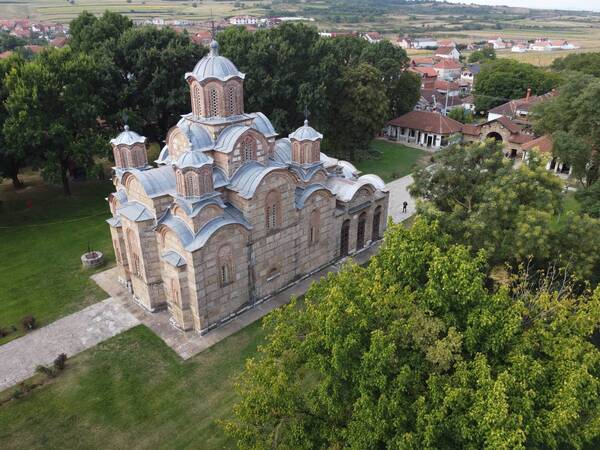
(360,232)
(345,238)
(495,136)
(376,222)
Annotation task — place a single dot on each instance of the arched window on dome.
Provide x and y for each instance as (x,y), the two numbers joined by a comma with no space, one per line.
(118,157)
(225,259)
(315,227)
(273,210)
(197,99)
(248,149)
(231,100)
(306,152)
(213,102)
(180,182)
(316,152)
(191,185)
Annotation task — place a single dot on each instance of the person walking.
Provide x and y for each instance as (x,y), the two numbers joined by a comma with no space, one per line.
(404,206)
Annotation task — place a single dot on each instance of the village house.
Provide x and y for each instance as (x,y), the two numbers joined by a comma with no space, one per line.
(501,129)
(519,109)
(544,145)
(447,53)
(424,43)
(469,73)
(404,43)
(372,37)
(243,20)
(499,43)
(425,129)
(447,43)
(428,76)
(448,69)
(233,213)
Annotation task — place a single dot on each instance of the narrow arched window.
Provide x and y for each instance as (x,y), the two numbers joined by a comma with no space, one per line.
(189,184)
(197,99)
(213,105)
(231,100)
(174,291)
(273,210)
(136,267)
(314,228)
(247,149)
(225,260)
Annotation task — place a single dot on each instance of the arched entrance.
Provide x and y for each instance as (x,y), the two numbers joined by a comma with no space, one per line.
(360,232)
(376,222)
(495,136)
(345,238)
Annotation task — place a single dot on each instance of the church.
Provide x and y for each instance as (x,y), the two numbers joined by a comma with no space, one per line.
(232,214)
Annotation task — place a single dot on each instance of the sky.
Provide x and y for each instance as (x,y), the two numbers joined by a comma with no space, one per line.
(588,5)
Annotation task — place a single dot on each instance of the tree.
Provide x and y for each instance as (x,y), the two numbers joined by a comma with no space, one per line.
(462,115)
(588,63)
(505,79)
(487,53)
(92,34)
(480,200)
(12,158)
(574,121)
(417,351)
(152,63)
(361,107)
(53,108)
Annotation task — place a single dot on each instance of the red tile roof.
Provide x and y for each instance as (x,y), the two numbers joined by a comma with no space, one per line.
(418,60)
(444,50)
(447,64)
(471,130)
(543,144)
(427,121)
(427,71)
(446,85)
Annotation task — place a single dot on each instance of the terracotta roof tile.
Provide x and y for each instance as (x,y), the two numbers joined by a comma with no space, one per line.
(543,144)
(427,121)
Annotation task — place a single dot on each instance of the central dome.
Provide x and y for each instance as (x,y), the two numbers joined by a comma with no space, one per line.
(215,66)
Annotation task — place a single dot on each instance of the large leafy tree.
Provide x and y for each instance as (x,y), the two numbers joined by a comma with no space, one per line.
(481,200)
(503,79)
(152,63)
(574,120)
(419,350)
(11,158)
(358,111)
(53,108)
(89,33)
(580,62)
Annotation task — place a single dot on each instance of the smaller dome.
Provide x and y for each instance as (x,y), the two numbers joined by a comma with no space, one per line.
(193,159)
(128,137)
(214,66)
(306,133)
(196,133)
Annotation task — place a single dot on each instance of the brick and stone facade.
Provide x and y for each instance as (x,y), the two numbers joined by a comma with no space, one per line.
(232,214)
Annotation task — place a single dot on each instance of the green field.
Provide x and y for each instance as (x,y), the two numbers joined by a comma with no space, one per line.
(63,11)
(395,160)
(132,391)
(42,236)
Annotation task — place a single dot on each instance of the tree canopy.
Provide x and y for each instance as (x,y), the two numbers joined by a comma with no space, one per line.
(480,200)
(419,350)
(53,105)
(502,80)
(487,53)
(289,68)
(588,63)
(574,121)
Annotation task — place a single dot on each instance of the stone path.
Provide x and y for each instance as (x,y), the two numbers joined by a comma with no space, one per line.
(71,335)
(190,343)
(84,329)
(398,195)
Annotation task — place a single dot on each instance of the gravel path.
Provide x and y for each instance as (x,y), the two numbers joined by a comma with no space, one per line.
(71,335)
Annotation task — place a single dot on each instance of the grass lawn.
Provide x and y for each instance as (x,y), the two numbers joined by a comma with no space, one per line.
(395,161)
(132,391)
(42,236)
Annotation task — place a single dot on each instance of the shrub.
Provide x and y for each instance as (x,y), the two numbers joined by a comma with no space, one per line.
(48,371)
(29,323)
(59,362)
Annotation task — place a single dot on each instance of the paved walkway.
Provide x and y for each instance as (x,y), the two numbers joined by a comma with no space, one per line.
(71,335)
(398,195)
(190,343)
(84,329)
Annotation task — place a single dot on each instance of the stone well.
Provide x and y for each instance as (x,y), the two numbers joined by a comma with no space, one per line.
(92,259)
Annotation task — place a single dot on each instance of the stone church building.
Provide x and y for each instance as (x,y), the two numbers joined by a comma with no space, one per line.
(232,214)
